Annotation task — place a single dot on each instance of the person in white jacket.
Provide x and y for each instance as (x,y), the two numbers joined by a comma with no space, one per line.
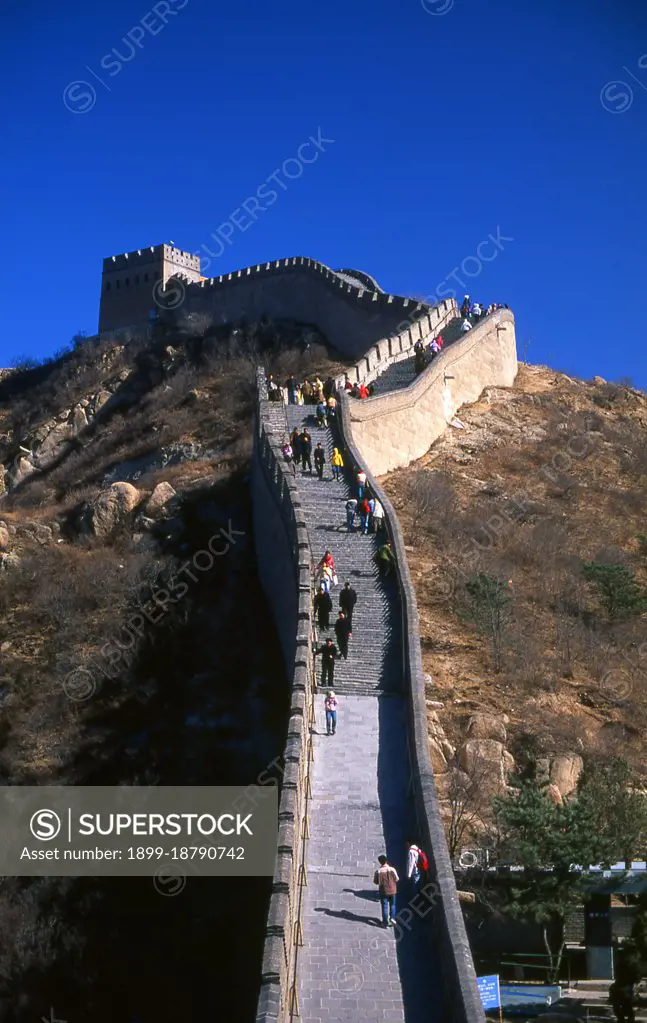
(413,873)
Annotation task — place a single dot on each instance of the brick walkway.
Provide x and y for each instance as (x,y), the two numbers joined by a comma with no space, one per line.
(351,969)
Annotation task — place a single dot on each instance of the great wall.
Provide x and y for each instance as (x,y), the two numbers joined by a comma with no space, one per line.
(344,802)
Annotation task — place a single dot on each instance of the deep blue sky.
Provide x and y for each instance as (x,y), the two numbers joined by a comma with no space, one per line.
(445,127)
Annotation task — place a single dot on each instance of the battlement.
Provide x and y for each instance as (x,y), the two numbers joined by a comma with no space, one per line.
(347,306)
(151,254)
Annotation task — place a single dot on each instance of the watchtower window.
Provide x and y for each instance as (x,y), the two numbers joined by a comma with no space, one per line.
(107,285)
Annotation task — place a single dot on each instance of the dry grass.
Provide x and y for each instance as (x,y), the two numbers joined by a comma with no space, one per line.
(550,474)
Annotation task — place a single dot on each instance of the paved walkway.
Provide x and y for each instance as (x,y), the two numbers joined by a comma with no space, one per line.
(350,969)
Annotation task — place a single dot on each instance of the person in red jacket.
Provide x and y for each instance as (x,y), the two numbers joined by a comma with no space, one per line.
(364,509)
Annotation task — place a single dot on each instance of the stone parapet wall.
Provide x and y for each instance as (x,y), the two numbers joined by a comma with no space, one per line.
(462,1003)
(351,317)
(399,345)
(391,430)
(285,566)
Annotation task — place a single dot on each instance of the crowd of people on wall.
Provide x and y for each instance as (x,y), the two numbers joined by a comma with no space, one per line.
(472,312)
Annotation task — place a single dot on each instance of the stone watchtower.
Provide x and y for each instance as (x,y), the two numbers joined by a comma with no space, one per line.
(131,282)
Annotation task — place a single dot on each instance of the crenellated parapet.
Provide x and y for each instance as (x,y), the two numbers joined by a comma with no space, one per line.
(285,567)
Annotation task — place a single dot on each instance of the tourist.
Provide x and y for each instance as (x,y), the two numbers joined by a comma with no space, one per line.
(331,404)
(386,878)
(343,633)
(465,308)
(364,514)
(320,459)
(418,347)
(337,463)
(326,562)
(347,601)
(329,653)
(306,451)
(440,342)
(419,363)
(288,455)
(361,484)
(354,391)
(322,414)
(347,384)
(308,392)
(331,704)
(295,441)
(476,312)
(329,387)
(371,390)
(363,391)
(385,560)
(378,516)
(291,386)
(466,325)
(323,607)
(351,510)
(417,864)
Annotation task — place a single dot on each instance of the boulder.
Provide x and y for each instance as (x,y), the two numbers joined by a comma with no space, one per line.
(35,531)
(100,399)
(54,443)
(482,760)
(438,761)
(554,794)
(159,499)
(79,419)
(486,726)
(565,772)
(4,536)
(111,509)
(22,468)
(599,381)
(8,561)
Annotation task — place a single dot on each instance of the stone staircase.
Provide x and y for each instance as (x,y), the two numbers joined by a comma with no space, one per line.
(375,650)
(401,374)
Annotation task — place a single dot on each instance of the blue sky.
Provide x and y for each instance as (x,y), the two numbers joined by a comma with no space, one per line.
(448,121)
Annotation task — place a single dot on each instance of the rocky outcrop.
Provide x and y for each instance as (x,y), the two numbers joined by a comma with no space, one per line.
(483,761)
(565,773)
(161,501)
(4,537)
(487,726)
(111,510)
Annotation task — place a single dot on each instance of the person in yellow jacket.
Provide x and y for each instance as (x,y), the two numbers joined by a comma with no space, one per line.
(337,463)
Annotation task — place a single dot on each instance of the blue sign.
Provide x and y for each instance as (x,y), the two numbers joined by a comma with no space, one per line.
(520,994)
(489,991)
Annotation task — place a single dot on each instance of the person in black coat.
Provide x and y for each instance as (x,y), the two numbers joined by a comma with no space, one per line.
(329,654)
(323,608)
(343,633)
(306,450)
(320,458)
(347,601)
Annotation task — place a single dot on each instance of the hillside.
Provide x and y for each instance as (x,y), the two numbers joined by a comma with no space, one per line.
(526,486)
(121,464)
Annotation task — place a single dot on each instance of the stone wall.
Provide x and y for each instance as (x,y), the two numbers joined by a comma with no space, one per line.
(462,1002)
(393,429)
(351,317)
(399,345)
(285,566)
